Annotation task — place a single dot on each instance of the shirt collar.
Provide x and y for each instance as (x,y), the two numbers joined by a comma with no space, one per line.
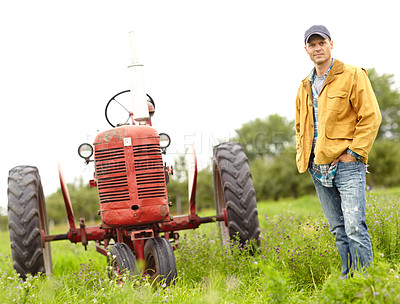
(313,72)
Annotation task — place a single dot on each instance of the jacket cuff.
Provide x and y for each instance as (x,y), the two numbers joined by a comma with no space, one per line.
(354,154)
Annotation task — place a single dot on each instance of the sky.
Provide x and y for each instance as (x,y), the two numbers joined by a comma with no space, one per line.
(210,66)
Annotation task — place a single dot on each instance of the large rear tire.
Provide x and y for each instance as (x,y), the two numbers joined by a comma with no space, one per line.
(27,220)
(234,194)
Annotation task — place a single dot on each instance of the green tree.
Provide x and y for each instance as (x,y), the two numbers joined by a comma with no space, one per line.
(270,147)
(84,200)
(178,195)
(55,208)
(266,137)
(205,189)
(277,177)
(389,101)
(178,188)
(3,219)
(384,160)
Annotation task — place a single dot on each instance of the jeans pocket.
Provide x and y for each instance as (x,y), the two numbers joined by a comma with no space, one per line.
(349,172)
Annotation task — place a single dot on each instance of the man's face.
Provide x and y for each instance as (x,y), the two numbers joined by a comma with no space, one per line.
(319,49)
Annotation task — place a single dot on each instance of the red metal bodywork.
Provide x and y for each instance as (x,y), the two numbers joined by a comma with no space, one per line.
(67,200)
(131,181)
(130,177)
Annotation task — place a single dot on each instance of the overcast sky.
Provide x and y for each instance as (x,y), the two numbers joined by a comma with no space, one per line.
(210,66)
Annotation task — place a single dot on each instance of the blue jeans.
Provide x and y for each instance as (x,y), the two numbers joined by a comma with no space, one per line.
(344,206)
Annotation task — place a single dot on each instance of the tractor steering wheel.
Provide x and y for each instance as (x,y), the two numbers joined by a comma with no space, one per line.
(118,108)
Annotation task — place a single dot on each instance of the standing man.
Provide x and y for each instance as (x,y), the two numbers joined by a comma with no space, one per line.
(337,120)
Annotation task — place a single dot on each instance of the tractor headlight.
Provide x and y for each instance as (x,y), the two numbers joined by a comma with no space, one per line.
(165,140)
(85,151)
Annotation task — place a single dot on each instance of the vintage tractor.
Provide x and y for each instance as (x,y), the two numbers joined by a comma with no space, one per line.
(136,227)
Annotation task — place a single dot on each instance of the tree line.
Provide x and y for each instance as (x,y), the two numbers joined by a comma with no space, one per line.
(270,147)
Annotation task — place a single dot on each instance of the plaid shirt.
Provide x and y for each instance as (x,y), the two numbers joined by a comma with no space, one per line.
(324,173)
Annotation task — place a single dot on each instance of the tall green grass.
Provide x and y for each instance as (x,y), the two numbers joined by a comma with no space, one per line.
(297,263)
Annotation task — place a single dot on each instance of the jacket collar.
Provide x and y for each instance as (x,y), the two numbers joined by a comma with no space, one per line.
(337,68)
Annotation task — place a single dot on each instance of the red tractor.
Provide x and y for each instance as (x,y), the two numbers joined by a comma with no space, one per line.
(136,227)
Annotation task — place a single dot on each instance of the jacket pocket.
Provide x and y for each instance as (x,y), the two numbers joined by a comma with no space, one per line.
(340,131)
(337,101)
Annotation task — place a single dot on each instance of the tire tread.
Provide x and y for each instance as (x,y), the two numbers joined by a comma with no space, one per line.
(24,189)
(241,205)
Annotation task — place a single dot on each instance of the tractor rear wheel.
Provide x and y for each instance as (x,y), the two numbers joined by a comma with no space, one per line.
(27,220)
(121,261)
(160,260)
(234,194)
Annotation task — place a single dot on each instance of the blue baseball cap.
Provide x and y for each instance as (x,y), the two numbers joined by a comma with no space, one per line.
(316,30)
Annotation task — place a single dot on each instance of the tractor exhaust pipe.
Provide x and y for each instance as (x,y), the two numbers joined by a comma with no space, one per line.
(136,74)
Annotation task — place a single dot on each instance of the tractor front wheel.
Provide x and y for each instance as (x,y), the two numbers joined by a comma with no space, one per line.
(27,220)
(160,260)
(121,261)
(234,194)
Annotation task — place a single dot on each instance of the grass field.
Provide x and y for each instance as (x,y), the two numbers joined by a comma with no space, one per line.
(297,263)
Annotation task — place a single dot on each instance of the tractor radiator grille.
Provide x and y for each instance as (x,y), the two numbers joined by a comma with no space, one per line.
(111,171)
(111,174)
(150,175)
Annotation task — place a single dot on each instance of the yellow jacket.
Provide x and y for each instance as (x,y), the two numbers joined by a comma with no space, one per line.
(348,116)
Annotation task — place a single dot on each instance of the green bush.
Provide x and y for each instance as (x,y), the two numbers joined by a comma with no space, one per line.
(277,177)
(384,163)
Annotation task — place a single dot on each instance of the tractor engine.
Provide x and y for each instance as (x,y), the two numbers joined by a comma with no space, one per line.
(130,176)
